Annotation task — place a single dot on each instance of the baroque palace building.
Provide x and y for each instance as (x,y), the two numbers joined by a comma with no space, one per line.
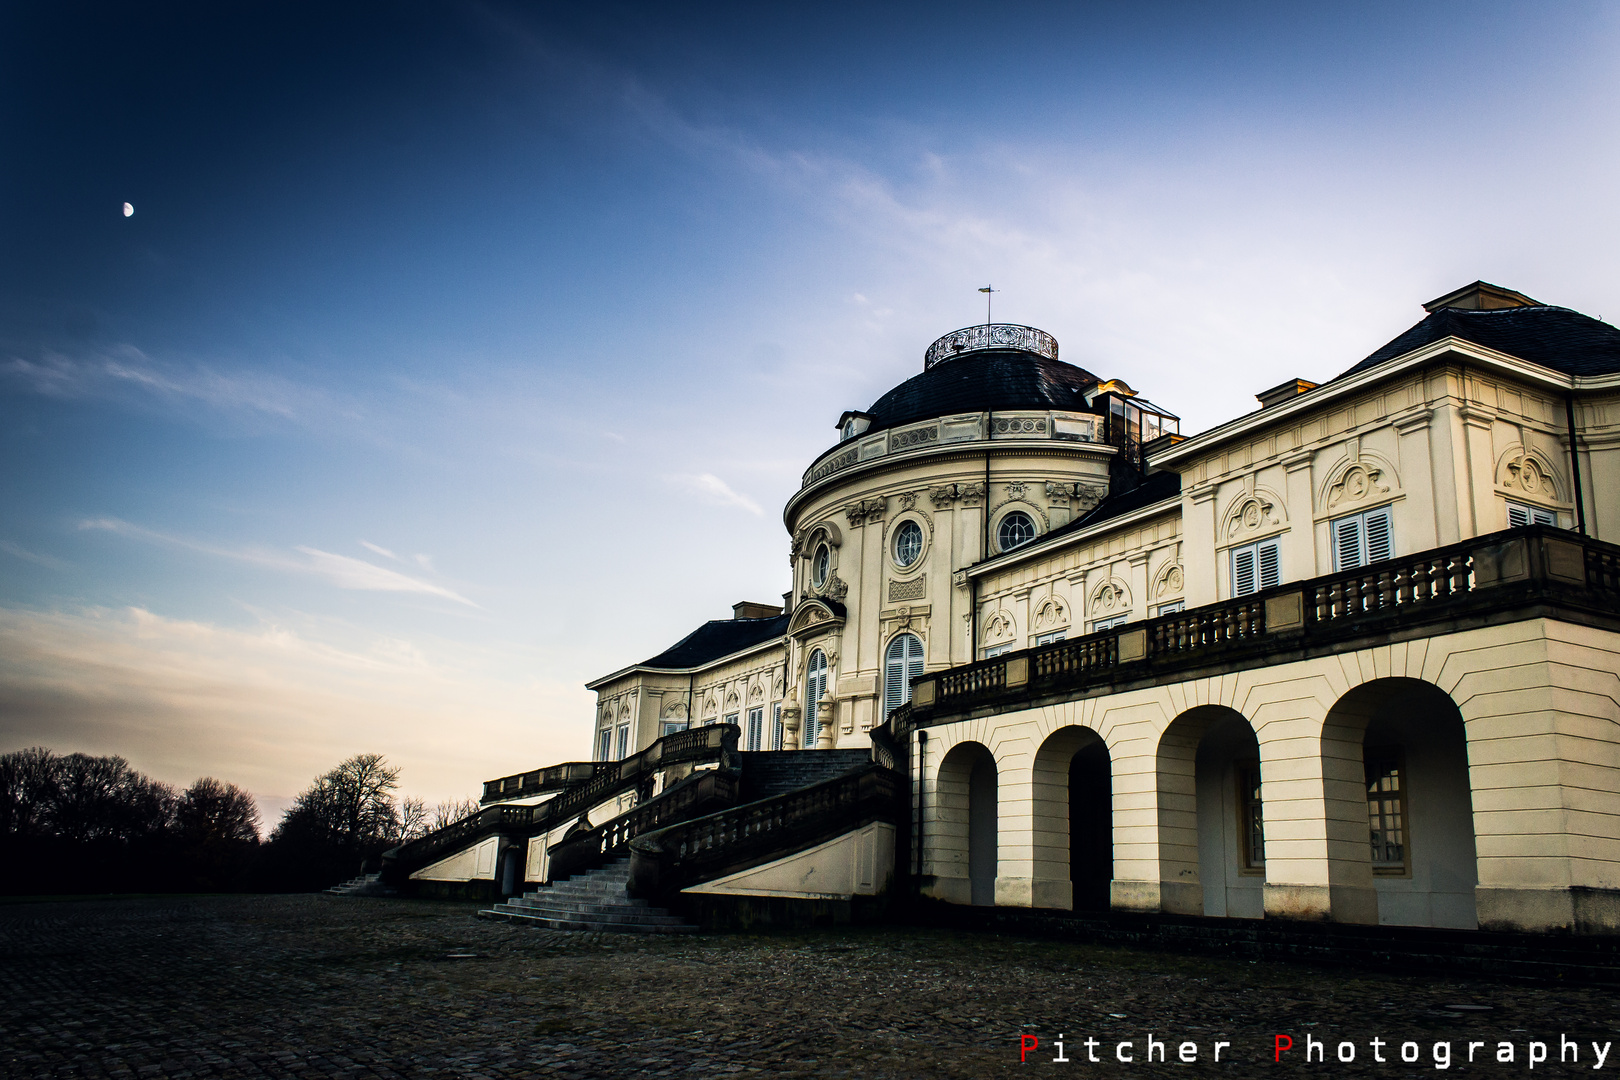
(1351,656)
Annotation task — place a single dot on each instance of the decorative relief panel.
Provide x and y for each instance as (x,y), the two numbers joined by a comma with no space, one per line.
(1051,615)
(908,590)
(863,510)
(1112,595)
(907,500)
(836,588)
(1253,513)
(1171,581)
(833,464)
(1528,473)
(998,627)
(905,440)
(1013,425)
(675,710)
(1015,490)
(1359,483)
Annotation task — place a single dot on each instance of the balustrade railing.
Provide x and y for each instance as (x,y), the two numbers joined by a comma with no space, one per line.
(1535,560)
(594,847)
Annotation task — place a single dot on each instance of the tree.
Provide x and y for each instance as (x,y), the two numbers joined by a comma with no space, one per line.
(448,813)
(28,781)
(346,819)
(212,813)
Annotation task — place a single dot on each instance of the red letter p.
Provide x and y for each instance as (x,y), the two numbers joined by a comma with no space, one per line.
(1026,1043)
(1283,1043)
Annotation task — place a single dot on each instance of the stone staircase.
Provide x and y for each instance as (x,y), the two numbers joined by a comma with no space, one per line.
(593,901)
(364,885)
(776,772)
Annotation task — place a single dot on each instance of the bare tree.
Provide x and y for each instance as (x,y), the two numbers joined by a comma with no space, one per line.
(412,818)
(449,812)
(28,780)
(214,812)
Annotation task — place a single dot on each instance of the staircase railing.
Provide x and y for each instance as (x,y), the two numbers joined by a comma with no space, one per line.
(701,793)
(713,742)
(665,861)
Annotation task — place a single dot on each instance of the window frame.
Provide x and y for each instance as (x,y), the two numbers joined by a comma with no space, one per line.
(821,565)
(604,744)
(1389,760)
(1172,607)
(1099,625)
(777,733)
(1051,637)
(1251,820)
(815,688)
(1001,526)
(1530,513)
(674,727)
(900,670)
(997,650)
(912,526)
(1355,531)
(1257,550)
(754,730)
(624,742)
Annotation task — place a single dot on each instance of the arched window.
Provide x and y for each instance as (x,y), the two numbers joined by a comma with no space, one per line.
(908,541)
(820,565)
(1015,529)
(902,662)
(815,688)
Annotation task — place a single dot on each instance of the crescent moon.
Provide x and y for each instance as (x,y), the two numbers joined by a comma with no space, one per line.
(128,210)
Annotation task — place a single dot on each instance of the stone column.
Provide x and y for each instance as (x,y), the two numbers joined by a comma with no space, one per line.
(1198,555)
(1299,543)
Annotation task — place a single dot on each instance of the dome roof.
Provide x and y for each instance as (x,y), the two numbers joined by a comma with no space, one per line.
(985,380)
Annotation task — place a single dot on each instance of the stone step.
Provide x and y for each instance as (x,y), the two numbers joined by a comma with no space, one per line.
(588,924)
(617,918)
(584,909)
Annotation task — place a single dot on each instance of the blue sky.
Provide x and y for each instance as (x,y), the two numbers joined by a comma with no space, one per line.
(456,354)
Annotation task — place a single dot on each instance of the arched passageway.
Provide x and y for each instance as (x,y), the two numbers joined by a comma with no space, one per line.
(1211,819)
(966,843)
(1404,743)
(1073,821)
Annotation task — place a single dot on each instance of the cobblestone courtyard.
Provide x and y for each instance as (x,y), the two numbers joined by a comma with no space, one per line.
(317,986)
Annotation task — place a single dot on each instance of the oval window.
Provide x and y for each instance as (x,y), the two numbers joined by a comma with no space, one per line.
(1015,529)
(908,540)
(821,566)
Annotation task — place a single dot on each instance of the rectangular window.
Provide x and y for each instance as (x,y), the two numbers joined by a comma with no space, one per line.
(1520,514)
(754,735)
(997,650)
(1056,635)
(624,740)
(731,718)
(672,726)
(1172,607)
(1386,812)
(604,744)
(1361,539)
(776,726)
(1109,624)
(1251,816)
(1254,567)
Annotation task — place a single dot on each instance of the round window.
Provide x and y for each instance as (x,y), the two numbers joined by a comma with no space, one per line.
(821,566)
(908,540)
(1015,529)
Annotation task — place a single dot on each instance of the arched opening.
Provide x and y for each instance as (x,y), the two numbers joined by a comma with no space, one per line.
(902,662)
(1211,819)
(1073,821)
(1414,819)
(964,842)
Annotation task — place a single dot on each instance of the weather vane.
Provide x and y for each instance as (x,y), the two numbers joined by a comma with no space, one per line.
(987,290)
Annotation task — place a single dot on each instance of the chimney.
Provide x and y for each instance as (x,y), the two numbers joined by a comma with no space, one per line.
(747,609)
(1282,392)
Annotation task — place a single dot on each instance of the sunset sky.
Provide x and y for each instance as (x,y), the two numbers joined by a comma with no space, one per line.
(458,353)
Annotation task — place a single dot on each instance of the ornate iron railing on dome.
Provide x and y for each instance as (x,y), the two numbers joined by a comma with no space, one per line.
(990,336)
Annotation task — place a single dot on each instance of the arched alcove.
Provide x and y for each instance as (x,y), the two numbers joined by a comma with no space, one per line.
(1073,821)
(965,841)
(1211,821)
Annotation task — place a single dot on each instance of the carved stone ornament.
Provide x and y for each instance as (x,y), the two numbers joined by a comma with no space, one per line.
(710,706)
(1524,473)
(1359,482)
(1251,514)
(863,510)
(999,627)
(836,588)
(970,494)
(908,501)
(959,579)
(1171,581)
(1059,494)
(1111,595)
(755,693)
(1015,490)
(675,711)
(1052,613)
(943,495)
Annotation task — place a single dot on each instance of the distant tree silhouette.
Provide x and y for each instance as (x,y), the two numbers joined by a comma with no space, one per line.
(339,826)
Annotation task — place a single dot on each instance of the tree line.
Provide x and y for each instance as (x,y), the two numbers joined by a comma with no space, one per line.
(75,823)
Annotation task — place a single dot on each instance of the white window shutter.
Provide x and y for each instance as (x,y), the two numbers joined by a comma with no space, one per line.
(1380,527)
(1348,551)
(1270,565)
(1518,515)
(1243,580)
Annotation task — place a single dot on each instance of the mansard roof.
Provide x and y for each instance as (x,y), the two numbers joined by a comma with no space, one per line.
(988,380)
(1554,337)
(717,638)
(1156,487)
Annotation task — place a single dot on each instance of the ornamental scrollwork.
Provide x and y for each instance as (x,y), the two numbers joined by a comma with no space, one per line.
(1050,614)
(990,336)
(1252,513)
(1111,595)
(1172,580)
(999,627)
(1526,471)
(1360,481)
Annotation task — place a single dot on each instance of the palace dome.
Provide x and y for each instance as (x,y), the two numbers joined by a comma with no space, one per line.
(986,368)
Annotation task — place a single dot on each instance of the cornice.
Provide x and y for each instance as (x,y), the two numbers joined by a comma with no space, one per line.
(769,643)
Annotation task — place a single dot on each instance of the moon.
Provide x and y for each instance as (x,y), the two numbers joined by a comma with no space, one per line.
(128,210)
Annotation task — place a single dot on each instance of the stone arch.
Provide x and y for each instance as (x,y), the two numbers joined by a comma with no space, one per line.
(1072,813)
(1354,483)
(1110,597)
(1253,515)
(965,836)
(1051,614)
(1206,864)
(1401,835)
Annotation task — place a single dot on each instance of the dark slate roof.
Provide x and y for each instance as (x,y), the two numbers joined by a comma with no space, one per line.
(1154,488)
(717,638)
(989,380)
(1553,337)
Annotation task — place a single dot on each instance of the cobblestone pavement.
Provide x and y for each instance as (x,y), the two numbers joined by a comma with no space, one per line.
(317,986)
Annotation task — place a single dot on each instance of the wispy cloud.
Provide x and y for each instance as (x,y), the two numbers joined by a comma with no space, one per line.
(340,570)
(384,552)
(714,491)
(19,552)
